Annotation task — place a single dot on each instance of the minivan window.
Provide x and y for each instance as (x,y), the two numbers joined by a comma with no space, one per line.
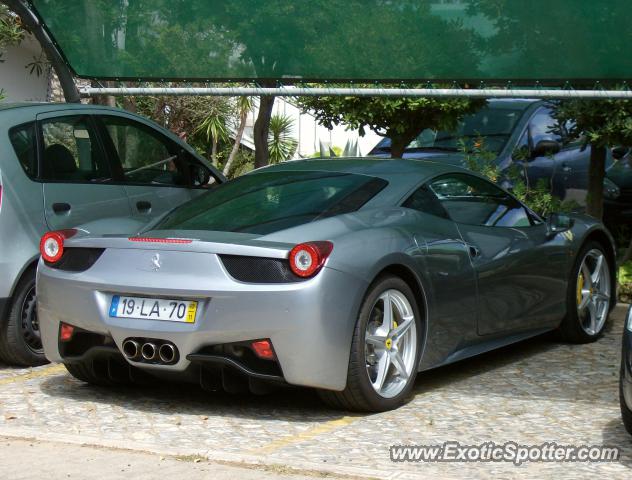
(71,151)
(23,140)
(146,158)
(268,202)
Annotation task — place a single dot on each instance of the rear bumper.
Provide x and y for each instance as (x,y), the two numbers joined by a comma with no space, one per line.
(310,324)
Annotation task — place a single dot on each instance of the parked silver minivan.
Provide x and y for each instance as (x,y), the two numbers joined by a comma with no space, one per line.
(63,165)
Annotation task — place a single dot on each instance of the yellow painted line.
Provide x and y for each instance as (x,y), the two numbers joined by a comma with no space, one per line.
(304,436)
(42,372)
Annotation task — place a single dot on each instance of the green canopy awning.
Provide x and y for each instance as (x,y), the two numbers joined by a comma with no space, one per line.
(550,41)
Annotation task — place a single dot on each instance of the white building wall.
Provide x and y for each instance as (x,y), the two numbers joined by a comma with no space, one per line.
(16,81)
(310,134)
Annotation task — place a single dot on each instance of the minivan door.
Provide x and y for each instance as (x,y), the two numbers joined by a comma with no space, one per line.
(151,167)
(76,177)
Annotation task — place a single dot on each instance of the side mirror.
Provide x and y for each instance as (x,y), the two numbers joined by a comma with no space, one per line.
(546,147)
(558,223)
(620,152)
(200,175)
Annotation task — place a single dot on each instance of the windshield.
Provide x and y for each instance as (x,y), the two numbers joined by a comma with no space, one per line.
(493,124)
(263,203)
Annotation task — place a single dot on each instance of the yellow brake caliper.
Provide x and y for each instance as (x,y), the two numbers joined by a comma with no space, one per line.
(580,287)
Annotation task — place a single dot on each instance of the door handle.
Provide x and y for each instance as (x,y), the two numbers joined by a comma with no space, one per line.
(566,168)
(61,207)
(143,206)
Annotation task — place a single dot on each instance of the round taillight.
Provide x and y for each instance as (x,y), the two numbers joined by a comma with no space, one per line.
(52,246)
(306,259)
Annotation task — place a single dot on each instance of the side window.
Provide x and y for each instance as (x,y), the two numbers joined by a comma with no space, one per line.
(473,201)
(544,127)
(23,141)
(522,151)
(146,157)
(71,151)
(423,200)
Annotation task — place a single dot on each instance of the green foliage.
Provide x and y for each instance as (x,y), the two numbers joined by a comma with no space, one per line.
(605,123)
(537,197)
(625,273)
(478,159)
(244,163)
(624,279)
(187,117)
(281,142)
(11,30)
(214,127)
(401,119)
(334,152)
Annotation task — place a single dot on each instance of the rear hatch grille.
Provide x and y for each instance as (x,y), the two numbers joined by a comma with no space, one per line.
(77,259)
(259,269)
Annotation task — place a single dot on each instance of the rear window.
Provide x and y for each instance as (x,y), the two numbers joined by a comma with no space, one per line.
(23,141)
(268,202)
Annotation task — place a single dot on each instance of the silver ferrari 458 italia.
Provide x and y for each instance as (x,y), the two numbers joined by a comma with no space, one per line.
(344,275)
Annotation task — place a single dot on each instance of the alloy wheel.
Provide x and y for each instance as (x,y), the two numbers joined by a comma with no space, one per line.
(593,292)
(390,343)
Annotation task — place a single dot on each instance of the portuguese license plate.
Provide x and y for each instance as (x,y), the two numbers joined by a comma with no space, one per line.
(153,309)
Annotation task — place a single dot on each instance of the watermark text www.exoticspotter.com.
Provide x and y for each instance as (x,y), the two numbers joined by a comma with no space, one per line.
(509,452)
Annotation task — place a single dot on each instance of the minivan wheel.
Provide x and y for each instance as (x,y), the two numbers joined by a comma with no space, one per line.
(20,339)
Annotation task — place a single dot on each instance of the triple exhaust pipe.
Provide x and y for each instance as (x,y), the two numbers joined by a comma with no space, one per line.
(150,351)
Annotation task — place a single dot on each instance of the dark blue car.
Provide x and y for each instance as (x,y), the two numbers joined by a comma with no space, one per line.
(525,129)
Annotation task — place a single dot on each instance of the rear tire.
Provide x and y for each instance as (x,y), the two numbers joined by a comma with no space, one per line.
(20,341)
(366,357)
(577,326)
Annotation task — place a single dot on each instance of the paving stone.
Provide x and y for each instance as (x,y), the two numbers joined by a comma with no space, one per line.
(534,392)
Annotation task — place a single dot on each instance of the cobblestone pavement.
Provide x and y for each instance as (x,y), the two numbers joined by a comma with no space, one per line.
(530,393)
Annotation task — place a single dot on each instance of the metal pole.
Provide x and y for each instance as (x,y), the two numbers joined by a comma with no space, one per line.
(361,92)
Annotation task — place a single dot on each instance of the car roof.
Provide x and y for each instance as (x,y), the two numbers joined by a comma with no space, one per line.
(406,172)
(512,103)
(41,107)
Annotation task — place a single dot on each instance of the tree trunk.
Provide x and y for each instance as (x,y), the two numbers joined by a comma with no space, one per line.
(214,153)
(66,80)
(243,118)
(261,131)
(399,142)
(596,174)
